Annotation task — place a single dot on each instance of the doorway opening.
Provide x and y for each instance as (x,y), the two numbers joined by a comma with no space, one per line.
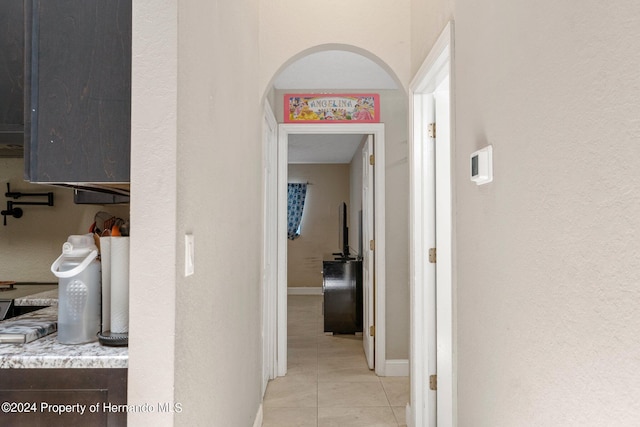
(312,75)
(324,262)
(279,335)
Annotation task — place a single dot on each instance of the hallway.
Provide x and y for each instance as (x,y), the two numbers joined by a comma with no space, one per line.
(328,382)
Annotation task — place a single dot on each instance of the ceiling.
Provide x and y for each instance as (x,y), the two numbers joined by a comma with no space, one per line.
(333,70)
(333,148)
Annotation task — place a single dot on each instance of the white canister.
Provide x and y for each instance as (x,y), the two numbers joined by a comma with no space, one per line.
(79,292)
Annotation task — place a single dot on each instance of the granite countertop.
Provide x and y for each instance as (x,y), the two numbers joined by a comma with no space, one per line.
(47,352)
(29,327)
(44,299)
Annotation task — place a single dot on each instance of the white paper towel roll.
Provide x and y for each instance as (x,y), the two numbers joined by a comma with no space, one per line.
(105,259)
(120,284)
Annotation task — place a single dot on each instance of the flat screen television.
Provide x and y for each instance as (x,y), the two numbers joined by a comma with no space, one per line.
(343,231)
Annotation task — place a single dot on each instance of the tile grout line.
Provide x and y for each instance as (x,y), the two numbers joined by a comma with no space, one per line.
(318,341)
(389,401)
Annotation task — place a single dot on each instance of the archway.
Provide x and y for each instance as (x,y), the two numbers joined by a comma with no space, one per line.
(396,110)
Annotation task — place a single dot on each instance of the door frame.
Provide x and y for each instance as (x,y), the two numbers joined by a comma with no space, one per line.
(368,258)
(436,201)
(270,247)
(377,130)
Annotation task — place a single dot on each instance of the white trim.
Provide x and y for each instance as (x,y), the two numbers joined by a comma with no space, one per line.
(422,274)
(293,290)
(258,419)
(407,415)
(269,288)
(425,229)
(380,267)
(435,65)
(376,129)
(444,267)
(281,326)
(397,368)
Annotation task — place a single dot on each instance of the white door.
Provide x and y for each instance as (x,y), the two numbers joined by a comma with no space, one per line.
(368,279)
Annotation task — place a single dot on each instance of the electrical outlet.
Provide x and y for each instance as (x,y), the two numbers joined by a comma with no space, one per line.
(189,255)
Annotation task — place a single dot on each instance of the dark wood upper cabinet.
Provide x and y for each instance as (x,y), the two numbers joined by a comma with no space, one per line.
(11,78)
(77,91)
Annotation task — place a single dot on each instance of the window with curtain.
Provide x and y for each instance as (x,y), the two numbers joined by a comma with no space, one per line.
(296,193)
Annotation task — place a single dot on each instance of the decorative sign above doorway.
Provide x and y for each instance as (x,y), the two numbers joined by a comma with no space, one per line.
(332,108)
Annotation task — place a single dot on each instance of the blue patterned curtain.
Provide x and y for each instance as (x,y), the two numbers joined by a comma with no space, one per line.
(296,194)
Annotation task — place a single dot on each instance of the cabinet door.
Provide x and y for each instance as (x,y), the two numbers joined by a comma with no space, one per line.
(78,73)
(90,393)
(11,72)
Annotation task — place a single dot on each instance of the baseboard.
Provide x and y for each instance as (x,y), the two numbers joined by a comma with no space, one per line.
(305,291)
(396,368)
(258,420)
(407,415)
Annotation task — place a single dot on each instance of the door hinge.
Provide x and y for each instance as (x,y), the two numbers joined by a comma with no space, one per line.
(372,331)
(432,255)
(433,382)
(432,130)
(372,160)
(372,245)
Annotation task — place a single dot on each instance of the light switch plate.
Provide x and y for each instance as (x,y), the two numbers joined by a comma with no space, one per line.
(189,255)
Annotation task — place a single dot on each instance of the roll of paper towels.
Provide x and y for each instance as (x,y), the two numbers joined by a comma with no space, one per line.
(105,259)
(120,284)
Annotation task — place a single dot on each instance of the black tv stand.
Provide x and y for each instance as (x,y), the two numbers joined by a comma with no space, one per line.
(342,286)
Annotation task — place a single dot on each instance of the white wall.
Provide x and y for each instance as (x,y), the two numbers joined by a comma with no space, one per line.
(319,232)
(547,255)
(218,328)
(428,19)
(153,256)
(29,245)
(396,226)
(196,159)
(377,28)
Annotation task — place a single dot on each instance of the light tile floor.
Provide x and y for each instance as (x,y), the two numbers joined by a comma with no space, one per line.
(328,382)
